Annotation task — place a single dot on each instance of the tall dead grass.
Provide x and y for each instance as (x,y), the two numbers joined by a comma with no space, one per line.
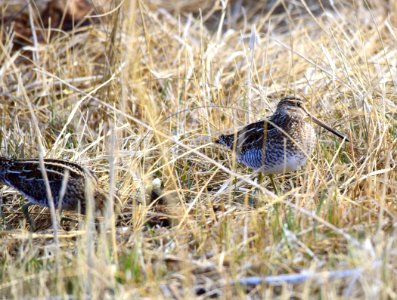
(137,96)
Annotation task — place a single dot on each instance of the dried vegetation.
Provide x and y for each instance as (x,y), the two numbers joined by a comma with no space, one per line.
(137,90)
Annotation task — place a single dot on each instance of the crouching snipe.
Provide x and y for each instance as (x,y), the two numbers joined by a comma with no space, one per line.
(67,182)
(279,144)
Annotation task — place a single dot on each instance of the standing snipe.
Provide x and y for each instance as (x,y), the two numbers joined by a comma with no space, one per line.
(67,183)
(279,144)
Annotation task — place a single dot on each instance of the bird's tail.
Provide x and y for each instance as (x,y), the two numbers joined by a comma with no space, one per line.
(225,140)
(4,165)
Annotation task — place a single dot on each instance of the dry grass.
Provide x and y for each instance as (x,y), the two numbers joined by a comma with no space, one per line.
(135,96)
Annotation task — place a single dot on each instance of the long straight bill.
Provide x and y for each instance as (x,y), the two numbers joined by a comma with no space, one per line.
(320,123)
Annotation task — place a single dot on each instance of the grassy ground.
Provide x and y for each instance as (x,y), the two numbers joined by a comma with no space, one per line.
(136,97)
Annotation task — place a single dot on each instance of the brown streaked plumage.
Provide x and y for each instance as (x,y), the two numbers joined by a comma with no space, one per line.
(67,180)
(278,144)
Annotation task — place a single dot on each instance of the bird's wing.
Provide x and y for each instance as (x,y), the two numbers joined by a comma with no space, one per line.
(250,136)
(29,170)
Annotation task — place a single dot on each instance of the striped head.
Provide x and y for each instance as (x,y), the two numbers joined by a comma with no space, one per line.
(292,106)
(295,107)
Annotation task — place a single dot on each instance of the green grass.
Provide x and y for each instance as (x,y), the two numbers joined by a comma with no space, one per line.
(129,96)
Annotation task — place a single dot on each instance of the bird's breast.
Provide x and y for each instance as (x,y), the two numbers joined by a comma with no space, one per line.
(285,164)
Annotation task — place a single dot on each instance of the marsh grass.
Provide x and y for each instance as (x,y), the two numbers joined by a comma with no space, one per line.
(139,96)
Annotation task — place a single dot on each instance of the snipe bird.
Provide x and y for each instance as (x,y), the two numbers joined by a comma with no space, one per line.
(67,183)
(279,144)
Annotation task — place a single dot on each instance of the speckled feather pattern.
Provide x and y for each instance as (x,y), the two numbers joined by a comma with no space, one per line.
(26,177)
(279,144)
